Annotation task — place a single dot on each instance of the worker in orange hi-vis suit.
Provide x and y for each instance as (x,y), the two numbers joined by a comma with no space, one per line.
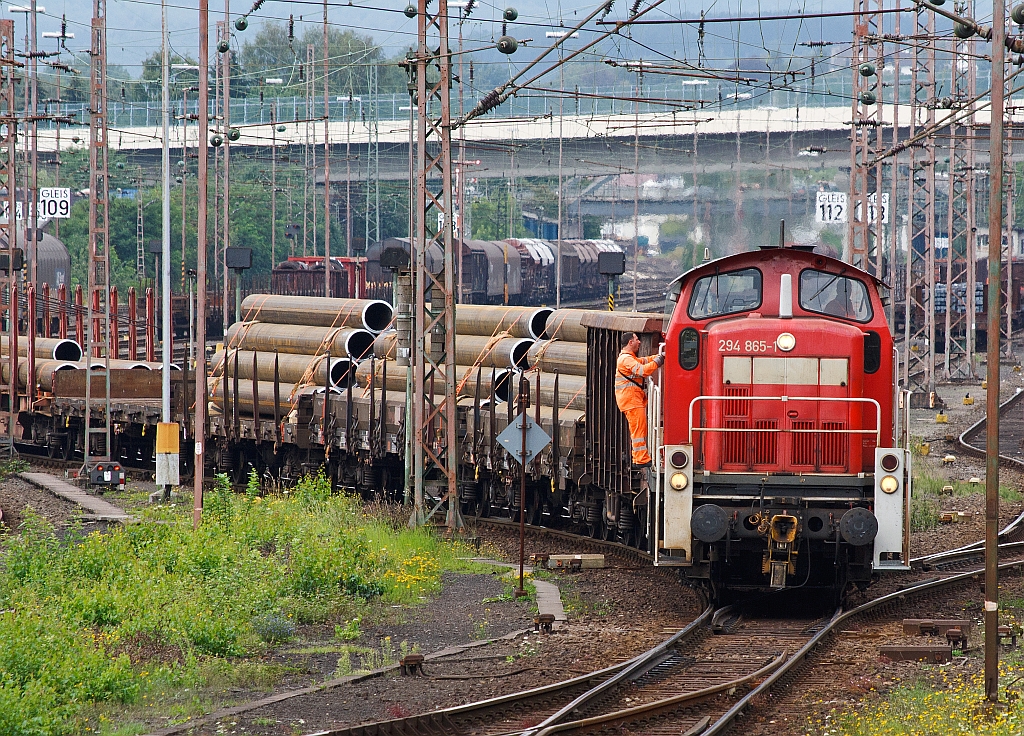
(630,372)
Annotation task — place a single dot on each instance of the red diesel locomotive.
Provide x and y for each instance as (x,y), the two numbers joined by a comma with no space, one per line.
(778,461)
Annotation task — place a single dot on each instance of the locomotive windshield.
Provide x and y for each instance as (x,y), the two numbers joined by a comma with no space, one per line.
(726,293)
(835,295)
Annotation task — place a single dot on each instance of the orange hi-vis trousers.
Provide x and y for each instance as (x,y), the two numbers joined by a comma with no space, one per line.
(637,420)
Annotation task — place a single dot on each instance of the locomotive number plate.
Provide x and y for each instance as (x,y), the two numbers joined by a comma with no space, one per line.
(749,346)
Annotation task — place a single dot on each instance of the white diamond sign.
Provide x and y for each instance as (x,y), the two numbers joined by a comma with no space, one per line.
(511,438)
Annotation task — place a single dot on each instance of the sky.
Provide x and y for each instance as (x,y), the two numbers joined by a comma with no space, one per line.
(133,26)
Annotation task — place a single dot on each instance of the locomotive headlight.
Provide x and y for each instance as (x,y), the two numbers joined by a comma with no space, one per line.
(889,484)
(677,481)
(785,342)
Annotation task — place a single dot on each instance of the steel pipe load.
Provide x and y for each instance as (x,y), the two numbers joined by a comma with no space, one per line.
(385,345)
(466,376)
(153,366)
(572,390)
(318,311)
(504,352)
(507,352)
(568,358)
(565,325)
(487,320)
(217,388)
(44,372)
(51,348)
(99,364)
(292,368)
(341,342)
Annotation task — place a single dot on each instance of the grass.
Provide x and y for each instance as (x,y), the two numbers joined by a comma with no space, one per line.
(927,495)
(928,484)
(946,702)
(151,617)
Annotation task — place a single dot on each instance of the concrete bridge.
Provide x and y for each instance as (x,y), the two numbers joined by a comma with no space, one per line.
(708,140)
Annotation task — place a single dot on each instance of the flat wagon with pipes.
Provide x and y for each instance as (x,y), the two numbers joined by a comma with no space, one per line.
(774,423)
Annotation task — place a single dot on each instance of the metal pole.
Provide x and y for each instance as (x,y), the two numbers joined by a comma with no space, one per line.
(199,432)
(226,102)
(184,180)
(191,322)
(558,244)
(165,204)
(33,186)
(273,184)
(327,167)
(995,240)
(524,392)
(636,187)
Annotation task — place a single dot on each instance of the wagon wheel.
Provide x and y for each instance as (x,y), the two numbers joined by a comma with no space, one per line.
(53,444)
(482,506)
(241,463)
(67,446)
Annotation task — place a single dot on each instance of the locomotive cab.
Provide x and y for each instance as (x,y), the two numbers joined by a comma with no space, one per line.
(778,466)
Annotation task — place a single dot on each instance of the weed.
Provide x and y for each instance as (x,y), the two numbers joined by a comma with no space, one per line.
(13,466)
(273,628)
(924,513)
(344,667)
(526,649)
(480,629)
(576,604)
(930,485)
(349,631)
(155,609)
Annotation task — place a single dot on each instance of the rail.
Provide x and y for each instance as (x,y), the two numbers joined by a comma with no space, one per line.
(877,431)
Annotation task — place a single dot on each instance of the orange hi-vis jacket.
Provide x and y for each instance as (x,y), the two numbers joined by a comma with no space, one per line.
(630,372)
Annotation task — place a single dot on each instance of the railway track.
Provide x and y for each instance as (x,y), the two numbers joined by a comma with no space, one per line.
(1011,433)
(698,681)
(646,298)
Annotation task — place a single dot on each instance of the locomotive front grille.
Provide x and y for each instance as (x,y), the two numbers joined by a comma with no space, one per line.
(804,444)
(766,444)
(833,444)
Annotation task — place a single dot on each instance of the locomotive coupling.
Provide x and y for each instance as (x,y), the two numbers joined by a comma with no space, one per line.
(780,557)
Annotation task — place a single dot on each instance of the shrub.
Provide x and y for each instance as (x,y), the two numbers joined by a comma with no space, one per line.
(256,568)
(273,628)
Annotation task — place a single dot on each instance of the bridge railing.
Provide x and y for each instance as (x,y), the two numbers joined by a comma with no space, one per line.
(832,89)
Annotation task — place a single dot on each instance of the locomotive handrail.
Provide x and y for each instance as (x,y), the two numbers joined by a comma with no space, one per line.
(877,431)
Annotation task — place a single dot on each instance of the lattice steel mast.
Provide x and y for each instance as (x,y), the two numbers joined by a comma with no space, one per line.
(864,248)
(8,136)
(919,306)
(371,112)
(98,300)
(958,353)
(435,461)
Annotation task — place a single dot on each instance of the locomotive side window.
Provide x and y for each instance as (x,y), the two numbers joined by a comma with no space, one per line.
(689,349)
(671,299)
(872,352)
(726,293)
(835,295)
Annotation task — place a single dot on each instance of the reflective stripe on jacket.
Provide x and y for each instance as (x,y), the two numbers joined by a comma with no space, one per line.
(630,372)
